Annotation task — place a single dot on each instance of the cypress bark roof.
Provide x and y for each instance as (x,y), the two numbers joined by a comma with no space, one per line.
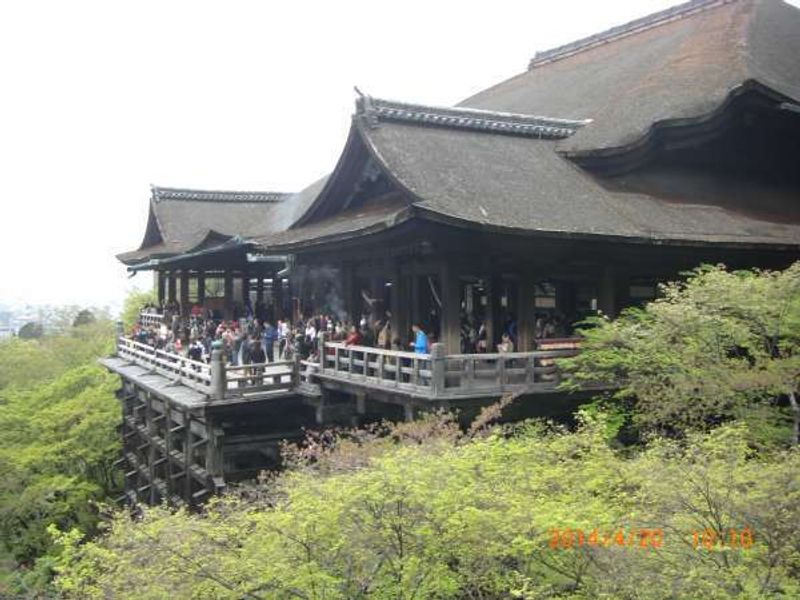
(495,162)
(181,220)
(517,185)
(682,63)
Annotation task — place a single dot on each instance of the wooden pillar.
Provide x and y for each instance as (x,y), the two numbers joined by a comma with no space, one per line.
(245,289)
(201,288)
(277,296)
(227,311)
(214,458)
(399,306)
(172,293)
(526,317)
(160,284)
(607,292)
(260,289)
(184,299)
(415,307)
(351,294)
(451,309)
(489,289)
(377,310)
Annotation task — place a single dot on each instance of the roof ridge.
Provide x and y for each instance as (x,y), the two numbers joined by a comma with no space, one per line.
(674,13)
(378,109)
(169,193)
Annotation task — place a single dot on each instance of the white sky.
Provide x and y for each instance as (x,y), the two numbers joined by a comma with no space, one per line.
(100,99)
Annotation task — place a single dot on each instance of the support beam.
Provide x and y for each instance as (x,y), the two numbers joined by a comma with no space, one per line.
(607,291)
(526,316)
(277,297)
(172,284)
(201,288)
(184,298)
(227,311)
(245,290)
(451,309)
(160,288)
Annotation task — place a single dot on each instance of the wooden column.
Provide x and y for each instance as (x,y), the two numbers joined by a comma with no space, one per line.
(526,321)
(160,285)
(489,289)
(201,288)
(227,311)
(245,290)
(172,293)
(277,297)
(451,309)
(399,306)
(184,300)
(260,289)
(415,308)
(607,292)
(351,294)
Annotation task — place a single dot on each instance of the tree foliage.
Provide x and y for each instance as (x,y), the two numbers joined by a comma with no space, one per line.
(26,363)
(58,418)
(134,302)
(30,331)
(719,345)
(439,515)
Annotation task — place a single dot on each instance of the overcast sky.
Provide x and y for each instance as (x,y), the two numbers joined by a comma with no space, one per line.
(100,99)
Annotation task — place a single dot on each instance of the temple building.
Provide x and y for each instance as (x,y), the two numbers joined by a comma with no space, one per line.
(666,142)
(611,164)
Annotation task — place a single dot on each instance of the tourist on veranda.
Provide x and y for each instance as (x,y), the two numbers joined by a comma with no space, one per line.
(420,343)
(353,338)
(269,337)
(283,334)
(385,336)
(506,345)
(368,336)
(257,357)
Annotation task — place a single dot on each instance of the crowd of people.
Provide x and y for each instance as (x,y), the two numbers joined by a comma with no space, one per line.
(252,340)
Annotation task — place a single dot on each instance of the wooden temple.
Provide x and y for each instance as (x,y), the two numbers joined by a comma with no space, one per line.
(613,163)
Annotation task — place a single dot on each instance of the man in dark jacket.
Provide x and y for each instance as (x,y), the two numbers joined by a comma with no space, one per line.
(269,337)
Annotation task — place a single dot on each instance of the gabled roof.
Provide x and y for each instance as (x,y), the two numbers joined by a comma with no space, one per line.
(511,183)
(180,220)
(673,66)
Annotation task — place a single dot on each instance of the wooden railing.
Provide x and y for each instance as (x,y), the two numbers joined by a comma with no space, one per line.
(191,373)
(215,379)
(243,380)
(408,371)
(150,319)
(432,376)
(437,375)
(467,374)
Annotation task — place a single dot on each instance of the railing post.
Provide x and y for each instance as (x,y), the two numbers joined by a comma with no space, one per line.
(295,372)
(218,383)
(118,333)
(321,341)
(437,369)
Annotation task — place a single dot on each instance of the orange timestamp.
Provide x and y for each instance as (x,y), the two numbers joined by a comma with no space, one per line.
(565,539)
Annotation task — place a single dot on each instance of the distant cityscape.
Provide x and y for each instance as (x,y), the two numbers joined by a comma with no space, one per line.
(14,316)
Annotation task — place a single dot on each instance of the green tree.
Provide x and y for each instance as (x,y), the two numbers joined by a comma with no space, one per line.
(133,304)
(84,317)
(58,418)
(426,512)
(717,346)
(31,331)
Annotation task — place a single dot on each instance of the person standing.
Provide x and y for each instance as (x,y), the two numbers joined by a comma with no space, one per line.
(270,335)
(420,343)
(257,357)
